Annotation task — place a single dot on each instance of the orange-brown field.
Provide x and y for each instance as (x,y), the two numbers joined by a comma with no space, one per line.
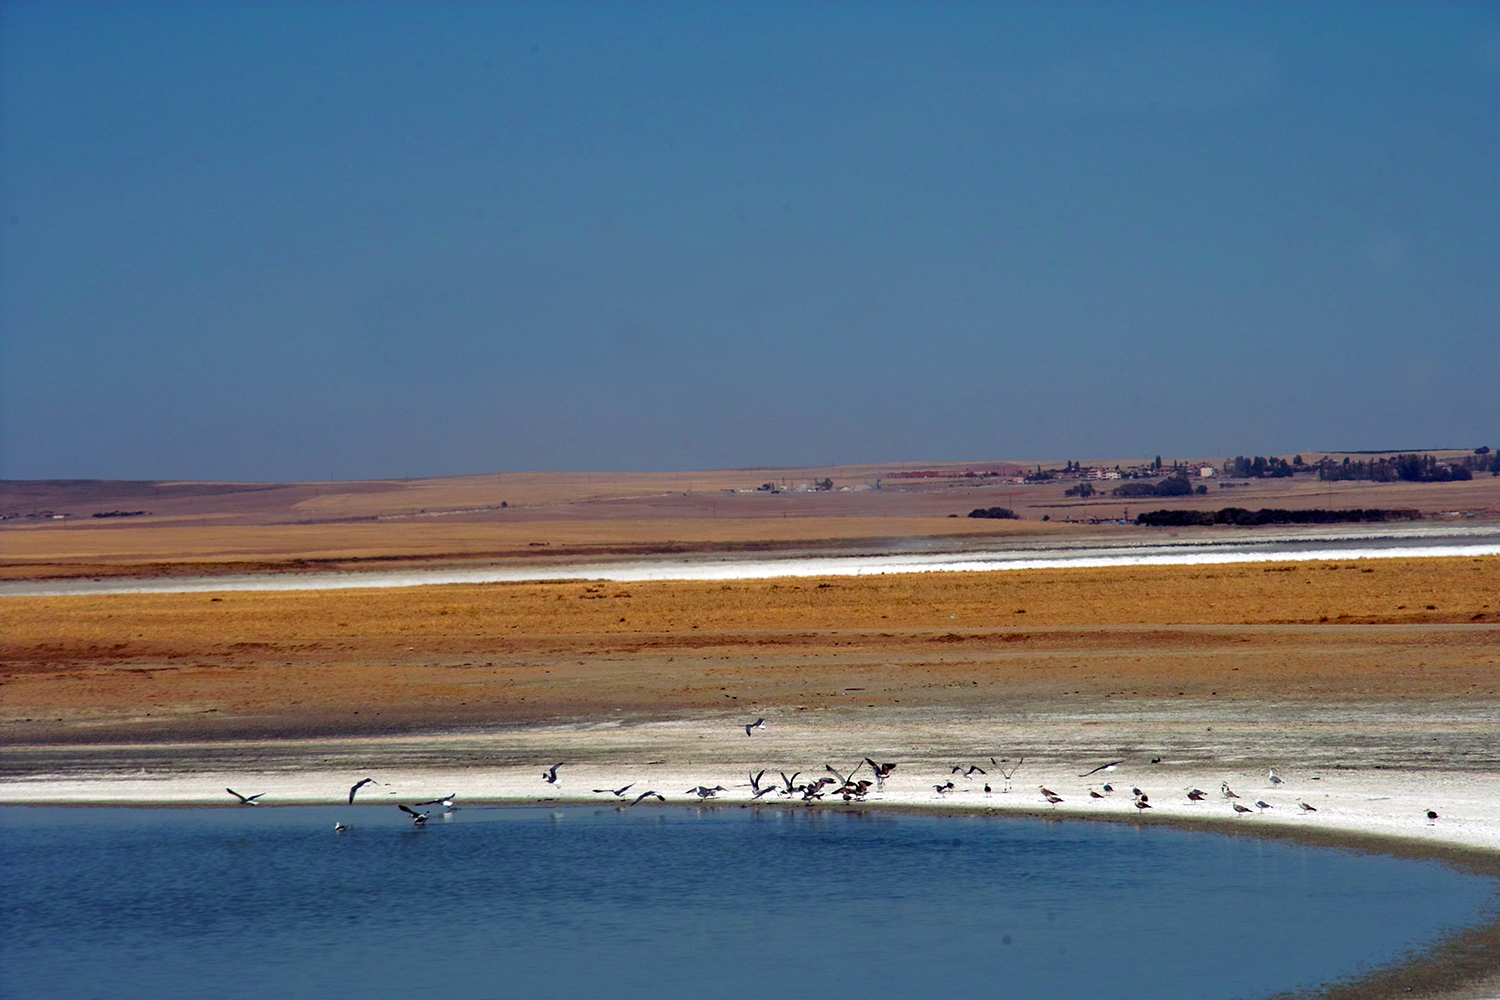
(211,665)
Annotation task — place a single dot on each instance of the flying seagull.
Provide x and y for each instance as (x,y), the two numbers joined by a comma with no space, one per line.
(1263,805)
(446,801)
(1103,767)
(948,787)
(882,771)
(417,819)
(357,786)
(616,792)
(1007,775)
(245,800)
(550,775)
(790,788)
(755,781)
(704,792)
(757,724)
(646,795)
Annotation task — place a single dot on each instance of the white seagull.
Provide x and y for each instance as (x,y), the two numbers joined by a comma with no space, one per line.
(357,786)
(1271,774)
(757,724)
(245,800)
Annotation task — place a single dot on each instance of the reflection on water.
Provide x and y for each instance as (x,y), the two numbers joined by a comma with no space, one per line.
(686,903)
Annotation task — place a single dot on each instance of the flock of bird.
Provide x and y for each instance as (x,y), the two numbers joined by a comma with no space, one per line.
(850,787)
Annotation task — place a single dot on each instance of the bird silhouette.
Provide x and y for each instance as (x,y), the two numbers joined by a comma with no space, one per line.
(357,786)
(417,819)
(616,792)
(646,795)
(245,800)
(757,724)
(550,775)
(1103,767)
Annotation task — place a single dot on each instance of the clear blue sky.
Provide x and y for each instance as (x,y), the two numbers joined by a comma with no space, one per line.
(304,241)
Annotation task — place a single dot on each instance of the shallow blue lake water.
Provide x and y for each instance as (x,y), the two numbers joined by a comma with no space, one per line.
(673,902)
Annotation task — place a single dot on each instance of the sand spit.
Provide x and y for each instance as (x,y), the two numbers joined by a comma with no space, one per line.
(675,757)
(1409,543)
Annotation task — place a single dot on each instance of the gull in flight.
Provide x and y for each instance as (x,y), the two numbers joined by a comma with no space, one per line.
(646,795)
(245,800)
(757,724)
(1103,767)
(417,819)
(1141,803)
(357,786)
(944,788)
(616,792)
(1007,775)
(790,788)
(704,792)
(446,801)
(550,775)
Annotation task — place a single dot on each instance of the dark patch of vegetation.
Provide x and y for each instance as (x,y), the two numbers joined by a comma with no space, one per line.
(1003,513)
(1173,486)
(1267,515)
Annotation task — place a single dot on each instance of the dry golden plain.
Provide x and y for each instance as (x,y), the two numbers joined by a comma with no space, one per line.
(190,666)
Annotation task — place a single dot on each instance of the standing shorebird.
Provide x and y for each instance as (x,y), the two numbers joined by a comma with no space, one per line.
(1262,805)
(752,726)
(1094,795)
(790,788)
(1195,795)
(1431,816)
(550,775)
(1305,807)
(357,786)
(946,787)
(1224,788)
(1239,809)
(245,800)
(417,819)
(1273,778)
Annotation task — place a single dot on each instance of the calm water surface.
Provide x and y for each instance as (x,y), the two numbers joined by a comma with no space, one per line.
(669,903)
